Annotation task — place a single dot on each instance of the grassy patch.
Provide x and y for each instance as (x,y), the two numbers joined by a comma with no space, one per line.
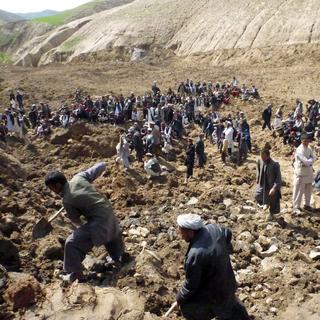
(5,58)
(67,15)
(70,44)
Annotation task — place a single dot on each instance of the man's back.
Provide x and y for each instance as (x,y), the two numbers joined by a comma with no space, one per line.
(79,196)
(209,274)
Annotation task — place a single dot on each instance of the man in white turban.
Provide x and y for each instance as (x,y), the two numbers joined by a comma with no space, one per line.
(210,285)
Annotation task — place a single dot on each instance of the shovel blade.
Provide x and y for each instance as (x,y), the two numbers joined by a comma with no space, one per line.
(41,228)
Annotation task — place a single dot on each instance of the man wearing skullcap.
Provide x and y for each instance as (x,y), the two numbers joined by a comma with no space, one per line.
(303,175)
(209,288)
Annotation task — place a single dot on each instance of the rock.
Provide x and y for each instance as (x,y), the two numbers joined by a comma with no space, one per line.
(227,202)
(94,264)
(235,211)
(22,291)
(304,257)
(134,214)
(269,300)
(273,310)
(222,219)
(139,279)
(8,224)
(139,231)
(258,249)
(249,209)
(192,201)
(138,54)
(246,236)
(315,254)
(273,249)
(271,264)
(293,281)
(16,237)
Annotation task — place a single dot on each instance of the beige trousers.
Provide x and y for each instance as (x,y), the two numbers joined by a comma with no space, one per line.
(301,187)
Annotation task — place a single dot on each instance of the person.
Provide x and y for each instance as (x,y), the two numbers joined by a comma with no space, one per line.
(268,191)
(3,131)
(80,198)
(189,162)
(199,148)
(266,117)
(123,152)
(303,175)
(138,145)
(209,288)
(152,166)
(228,135)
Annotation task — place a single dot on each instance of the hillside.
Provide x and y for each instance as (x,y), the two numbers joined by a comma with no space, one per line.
(80,11)
(33,15)
(6,17)
(186,27)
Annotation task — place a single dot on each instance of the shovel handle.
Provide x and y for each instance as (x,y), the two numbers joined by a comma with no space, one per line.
(174,305)
(55,215)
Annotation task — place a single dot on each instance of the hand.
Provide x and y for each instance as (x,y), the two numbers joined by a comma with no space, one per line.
(272,192)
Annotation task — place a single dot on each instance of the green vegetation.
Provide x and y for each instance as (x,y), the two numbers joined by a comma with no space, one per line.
(5,58)
(67,15)
(70,44)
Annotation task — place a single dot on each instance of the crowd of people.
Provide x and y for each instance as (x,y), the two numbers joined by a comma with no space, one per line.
(291,127)
(158,122)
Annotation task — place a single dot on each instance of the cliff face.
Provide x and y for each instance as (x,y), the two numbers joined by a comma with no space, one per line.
(185,26)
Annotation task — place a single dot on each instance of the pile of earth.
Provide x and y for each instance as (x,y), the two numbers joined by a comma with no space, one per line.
(274,266)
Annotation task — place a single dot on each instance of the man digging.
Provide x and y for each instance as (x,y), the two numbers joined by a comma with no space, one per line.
(80,198)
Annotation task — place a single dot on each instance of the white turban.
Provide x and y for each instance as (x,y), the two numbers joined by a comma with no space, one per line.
(190,221)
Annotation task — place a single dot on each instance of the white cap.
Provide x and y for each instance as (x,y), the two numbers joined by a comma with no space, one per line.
(190,221)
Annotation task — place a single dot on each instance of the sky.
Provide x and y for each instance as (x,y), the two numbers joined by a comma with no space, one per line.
(23,6)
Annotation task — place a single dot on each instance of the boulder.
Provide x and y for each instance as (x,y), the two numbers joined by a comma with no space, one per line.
(23,290)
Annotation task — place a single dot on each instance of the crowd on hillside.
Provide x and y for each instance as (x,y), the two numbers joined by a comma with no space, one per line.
(291,127)
(159,117)
(171,111)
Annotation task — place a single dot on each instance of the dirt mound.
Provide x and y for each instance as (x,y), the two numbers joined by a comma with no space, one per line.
(83,301)
(10,168)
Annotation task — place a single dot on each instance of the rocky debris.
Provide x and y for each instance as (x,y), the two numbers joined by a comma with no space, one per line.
(23,290)
(139,231)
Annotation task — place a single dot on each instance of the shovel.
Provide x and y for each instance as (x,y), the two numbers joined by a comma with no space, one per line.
(43,226)
(173,306)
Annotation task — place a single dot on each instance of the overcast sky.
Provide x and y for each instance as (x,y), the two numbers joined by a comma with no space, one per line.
(22,6)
